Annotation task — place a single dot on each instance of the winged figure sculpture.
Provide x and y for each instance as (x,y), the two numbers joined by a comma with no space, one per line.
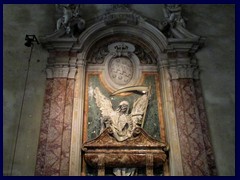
(120,120)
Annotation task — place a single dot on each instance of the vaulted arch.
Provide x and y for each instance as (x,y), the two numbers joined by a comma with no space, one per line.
(143,32)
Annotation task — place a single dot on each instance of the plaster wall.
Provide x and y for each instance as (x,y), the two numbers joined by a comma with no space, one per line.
(23,133)
(216,60)
(217,65)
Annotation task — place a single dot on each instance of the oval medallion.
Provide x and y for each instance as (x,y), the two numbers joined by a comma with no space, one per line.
(121,70)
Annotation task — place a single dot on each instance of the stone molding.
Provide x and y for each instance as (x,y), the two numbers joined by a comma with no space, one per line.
(134,70)
(72,73)
(175,62)
(49,73)
(61,72)
(184,71)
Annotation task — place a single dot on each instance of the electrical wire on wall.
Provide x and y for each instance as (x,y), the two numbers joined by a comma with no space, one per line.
(30,39)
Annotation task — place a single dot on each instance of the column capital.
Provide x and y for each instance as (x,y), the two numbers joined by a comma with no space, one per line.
(60,71)
(72,72)
(183,72)
(72,61)
(49,73)
(81,60)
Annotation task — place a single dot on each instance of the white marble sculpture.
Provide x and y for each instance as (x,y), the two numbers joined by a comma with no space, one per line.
(70,18)
(173,15)
(121,121)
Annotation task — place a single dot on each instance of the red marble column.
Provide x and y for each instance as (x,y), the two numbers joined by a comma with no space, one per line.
(55,134)
(55,129)
(51,132)
(190,128)
(67,128)
(41,153)
(50,141)
(205,128)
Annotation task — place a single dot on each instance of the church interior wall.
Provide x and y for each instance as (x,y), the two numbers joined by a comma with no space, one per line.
(216,61)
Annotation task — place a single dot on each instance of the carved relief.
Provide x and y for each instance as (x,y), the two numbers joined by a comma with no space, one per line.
(120,13)
(144,57)
(184,71)
(121,70)
(106,151)
(73,24)
(98,55)
(121,49)
(120,120)
(71,21)
(121,65)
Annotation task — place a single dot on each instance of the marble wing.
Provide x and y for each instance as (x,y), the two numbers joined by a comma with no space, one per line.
(104,104)
(139,110)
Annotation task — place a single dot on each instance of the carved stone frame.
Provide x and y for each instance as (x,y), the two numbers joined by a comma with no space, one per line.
(147,34)
(136,72)
(177,64)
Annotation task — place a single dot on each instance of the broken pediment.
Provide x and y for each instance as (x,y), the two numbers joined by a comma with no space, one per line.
(72,24)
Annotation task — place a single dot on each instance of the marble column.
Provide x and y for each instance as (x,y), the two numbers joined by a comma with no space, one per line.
(67,124)
(77,119)
(190,124)
(170,120)
(205,128)
(41,153)
(54,142)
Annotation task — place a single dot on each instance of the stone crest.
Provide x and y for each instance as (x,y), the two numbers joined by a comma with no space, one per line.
(121,66)
(121,70)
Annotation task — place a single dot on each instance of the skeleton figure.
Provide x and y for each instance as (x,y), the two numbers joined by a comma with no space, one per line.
(121,122)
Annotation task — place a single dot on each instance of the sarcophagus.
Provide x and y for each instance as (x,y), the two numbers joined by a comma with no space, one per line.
(140,150)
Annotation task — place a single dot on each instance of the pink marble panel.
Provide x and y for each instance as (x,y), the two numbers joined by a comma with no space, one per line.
(191,134)
(41,153)
(205,129)
(67,127)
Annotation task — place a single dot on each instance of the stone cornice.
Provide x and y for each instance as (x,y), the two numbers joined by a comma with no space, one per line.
(124,16)
(60,71)
(72,73)
(56,42)
(179,65)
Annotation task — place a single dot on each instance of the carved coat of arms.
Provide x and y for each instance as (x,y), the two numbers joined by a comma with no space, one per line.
(121,70)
